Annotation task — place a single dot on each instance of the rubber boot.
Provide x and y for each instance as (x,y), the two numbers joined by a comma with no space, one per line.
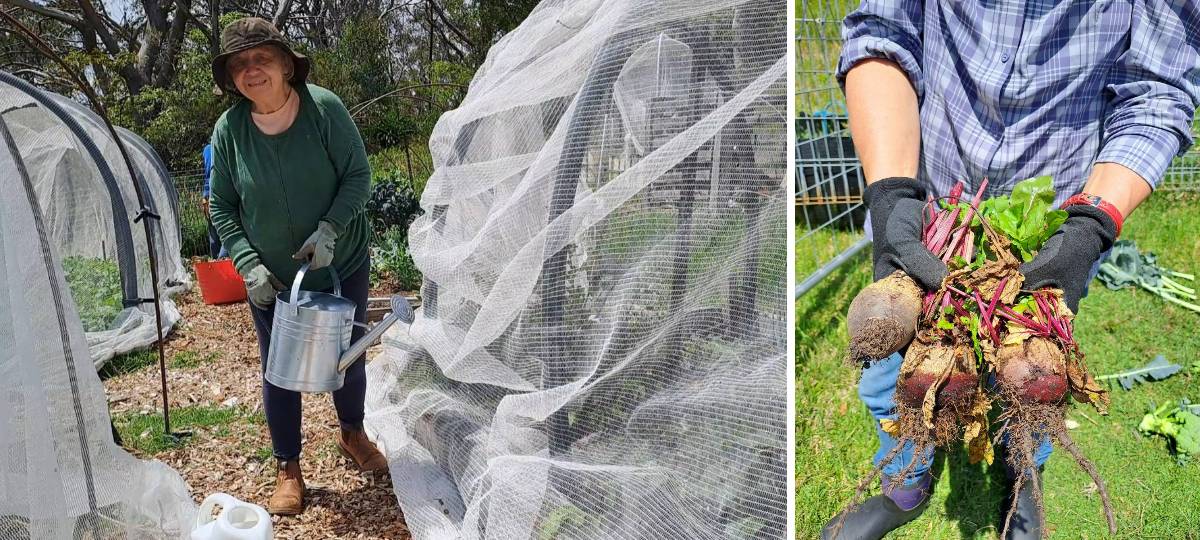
(1025,524)
(288,498)
(881,514)
(355,446)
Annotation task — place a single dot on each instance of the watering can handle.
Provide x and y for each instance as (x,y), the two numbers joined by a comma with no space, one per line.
(204,516)
(337,283)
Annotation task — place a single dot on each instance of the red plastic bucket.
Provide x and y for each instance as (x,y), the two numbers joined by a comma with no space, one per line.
(219,282)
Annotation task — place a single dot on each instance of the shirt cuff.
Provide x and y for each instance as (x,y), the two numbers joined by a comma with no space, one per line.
(1146,150)
(858,49)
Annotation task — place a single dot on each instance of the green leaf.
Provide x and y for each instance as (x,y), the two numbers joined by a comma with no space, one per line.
(1127,266)
(560,519)
(1034,192)
(1025,216)
(1178,424)
(1158,369)
(945,325)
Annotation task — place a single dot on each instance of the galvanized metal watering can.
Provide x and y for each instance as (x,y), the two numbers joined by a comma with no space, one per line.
(310,339)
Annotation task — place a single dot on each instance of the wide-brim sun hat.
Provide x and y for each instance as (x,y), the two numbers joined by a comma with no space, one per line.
(248,33)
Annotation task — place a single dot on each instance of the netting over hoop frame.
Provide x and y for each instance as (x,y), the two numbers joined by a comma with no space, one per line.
(61,475)
(87,196)
(601,347)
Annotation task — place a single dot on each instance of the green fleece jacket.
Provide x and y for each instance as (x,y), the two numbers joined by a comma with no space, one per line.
(269,192)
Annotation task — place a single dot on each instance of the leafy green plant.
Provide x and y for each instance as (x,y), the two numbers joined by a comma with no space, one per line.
(1157,370)
(390,259)
(1126,266)
(560,520)
(96,287)
(1025,216)
(1179,424)
(393,203)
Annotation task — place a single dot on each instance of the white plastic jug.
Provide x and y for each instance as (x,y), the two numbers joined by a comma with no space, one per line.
(237,521)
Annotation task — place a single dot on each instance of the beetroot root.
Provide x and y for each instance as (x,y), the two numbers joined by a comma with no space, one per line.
(1035,369)
(926,365)
(883,317)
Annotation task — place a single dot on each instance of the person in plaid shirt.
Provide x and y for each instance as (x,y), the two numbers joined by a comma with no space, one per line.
(1098,94)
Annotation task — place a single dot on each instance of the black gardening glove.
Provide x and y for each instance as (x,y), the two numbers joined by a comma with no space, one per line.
(1066,259)
(896,205)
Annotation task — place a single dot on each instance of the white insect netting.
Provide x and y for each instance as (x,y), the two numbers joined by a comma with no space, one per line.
(601,349)
(61,475)
(86,193)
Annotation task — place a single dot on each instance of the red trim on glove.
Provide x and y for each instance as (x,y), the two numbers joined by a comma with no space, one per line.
(1096,201)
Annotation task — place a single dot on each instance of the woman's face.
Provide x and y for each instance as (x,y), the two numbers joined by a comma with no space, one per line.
(260,74)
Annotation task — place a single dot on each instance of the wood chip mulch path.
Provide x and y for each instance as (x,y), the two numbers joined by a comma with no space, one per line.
(235,459)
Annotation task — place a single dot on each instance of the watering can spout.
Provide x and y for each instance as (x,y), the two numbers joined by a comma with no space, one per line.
(401,312)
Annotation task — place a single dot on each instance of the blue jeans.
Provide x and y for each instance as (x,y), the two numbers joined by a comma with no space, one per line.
(877,389)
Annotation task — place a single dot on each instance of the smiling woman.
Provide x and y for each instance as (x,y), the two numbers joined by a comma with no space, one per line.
(288,161)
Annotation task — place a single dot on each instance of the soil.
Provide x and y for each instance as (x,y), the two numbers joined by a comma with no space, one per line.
(341,502)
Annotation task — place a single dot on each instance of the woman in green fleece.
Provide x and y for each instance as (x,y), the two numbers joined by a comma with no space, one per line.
(290,182)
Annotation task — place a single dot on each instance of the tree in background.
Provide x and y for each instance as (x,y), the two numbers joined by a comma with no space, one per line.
(398,64)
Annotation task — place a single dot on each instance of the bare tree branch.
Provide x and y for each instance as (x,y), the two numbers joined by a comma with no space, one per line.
(44,76)
(281,14)
(46,11)
(214,33)
(96,23)
(441,14)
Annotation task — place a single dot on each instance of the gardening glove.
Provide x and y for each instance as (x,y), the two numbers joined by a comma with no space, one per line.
(318,247)
(896,205)
(1066,259)
(261,286)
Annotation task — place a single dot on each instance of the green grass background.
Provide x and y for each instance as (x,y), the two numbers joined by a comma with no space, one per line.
(1153,496)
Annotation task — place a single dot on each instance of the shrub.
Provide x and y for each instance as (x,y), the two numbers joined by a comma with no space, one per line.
(393,204)
(391,261)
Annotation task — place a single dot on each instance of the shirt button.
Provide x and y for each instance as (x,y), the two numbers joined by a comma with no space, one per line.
(1004,57)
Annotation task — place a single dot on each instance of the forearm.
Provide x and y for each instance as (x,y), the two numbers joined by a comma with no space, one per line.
(227,220)
(1118,185)
(885,120)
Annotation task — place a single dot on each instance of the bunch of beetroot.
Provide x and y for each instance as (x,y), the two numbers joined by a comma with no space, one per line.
(980,322)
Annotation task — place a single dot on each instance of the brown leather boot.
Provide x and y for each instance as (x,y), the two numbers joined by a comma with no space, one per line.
(288,499)
(359,449)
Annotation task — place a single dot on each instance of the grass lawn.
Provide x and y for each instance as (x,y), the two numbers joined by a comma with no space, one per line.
(1153,497)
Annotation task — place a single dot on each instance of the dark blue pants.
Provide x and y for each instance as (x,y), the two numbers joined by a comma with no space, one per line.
(283,406)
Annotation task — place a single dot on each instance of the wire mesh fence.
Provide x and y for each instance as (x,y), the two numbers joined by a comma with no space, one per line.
(193,222)
(829,180)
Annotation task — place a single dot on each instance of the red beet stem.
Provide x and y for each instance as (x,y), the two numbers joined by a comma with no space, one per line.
(985,318)
(1011,315)
(943,232)
(956,192)
(956,290)
(969,246)
(999,293)
(958,307)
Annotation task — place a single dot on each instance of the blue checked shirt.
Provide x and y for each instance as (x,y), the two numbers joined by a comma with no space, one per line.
(1014,89)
